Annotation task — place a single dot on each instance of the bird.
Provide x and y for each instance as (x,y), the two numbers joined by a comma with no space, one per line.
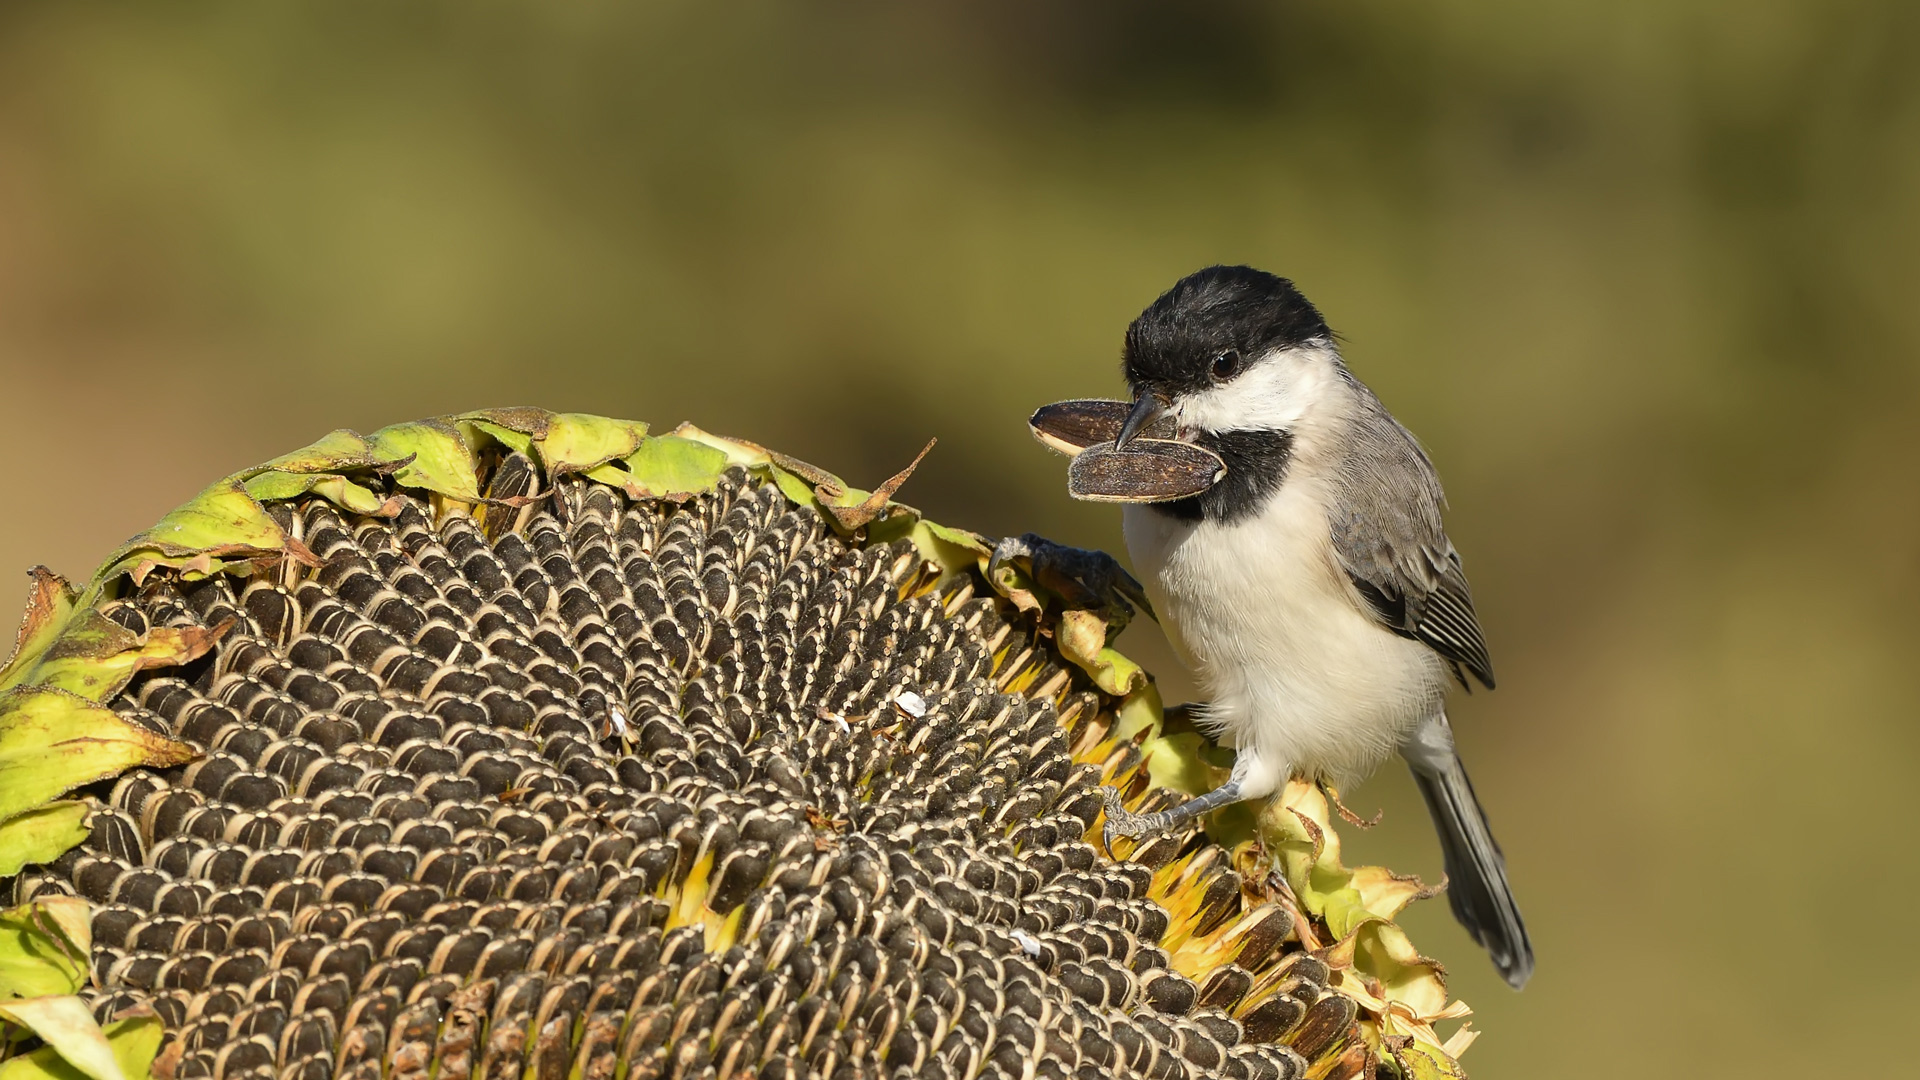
(1311,588)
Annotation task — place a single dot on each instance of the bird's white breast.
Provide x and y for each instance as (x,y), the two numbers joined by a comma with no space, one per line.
(1293,663)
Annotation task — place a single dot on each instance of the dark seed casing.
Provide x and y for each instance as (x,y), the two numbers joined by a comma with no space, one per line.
(1147,471)
(1072,426)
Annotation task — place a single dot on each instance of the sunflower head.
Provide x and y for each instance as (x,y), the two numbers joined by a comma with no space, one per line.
(523,744)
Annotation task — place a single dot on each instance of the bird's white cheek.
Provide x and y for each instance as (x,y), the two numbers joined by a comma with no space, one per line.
(1241,407)
(1279,392)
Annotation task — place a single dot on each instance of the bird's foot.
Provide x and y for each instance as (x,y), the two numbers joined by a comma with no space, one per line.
(1083,579)
(1124,822)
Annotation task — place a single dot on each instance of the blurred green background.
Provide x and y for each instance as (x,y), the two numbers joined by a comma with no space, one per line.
(1640,274)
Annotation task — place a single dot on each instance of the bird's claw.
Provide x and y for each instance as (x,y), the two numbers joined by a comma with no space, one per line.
(1122,821)
(1084,579)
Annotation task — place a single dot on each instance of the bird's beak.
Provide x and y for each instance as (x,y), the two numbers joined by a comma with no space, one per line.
(1147,408)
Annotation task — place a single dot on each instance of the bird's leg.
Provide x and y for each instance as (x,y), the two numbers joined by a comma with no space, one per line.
(1124,822)
(1083,579)
(1251,779)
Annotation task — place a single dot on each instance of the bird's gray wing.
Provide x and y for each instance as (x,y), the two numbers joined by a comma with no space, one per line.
(1388,537)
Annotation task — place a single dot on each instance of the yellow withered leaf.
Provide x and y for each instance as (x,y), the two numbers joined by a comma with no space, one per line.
(52,741)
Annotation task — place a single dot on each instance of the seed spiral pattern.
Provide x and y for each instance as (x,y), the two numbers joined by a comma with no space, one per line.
(631,788)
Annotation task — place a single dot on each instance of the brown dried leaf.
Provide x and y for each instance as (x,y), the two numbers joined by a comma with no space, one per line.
(852,517)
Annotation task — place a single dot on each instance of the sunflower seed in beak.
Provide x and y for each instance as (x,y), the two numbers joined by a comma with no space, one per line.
(1072,426)
(1147,471)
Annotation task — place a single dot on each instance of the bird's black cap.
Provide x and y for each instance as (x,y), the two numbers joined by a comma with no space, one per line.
(1172,345)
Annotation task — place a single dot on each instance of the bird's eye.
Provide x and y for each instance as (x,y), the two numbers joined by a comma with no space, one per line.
(1226,365)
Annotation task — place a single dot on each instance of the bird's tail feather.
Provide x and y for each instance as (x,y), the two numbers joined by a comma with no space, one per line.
(1477,886)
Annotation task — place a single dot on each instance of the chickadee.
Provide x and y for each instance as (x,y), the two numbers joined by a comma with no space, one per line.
(1307,582)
